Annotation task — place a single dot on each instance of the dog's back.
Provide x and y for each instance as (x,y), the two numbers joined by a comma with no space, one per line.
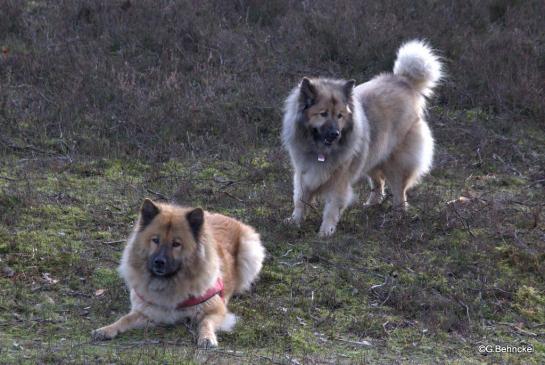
(240,248)
(391,106)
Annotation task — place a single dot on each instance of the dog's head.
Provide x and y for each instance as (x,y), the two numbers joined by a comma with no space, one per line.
(326,110)
(167,239)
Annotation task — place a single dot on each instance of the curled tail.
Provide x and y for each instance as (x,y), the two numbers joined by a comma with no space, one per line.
(419,65)
(250,256)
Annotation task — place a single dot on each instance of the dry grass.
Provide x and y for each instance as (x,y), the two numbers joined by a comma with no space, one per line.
(162,79)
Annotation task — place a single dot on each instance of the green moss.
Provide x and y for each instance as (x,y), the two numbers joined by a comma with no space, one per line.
(530,303)
(208,173)
(105,278)
(302,340)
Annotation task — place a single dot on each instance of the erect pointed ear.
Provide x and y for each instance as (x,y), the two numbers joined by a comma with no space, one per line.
(348,88)
(148,211)
(308,92)
(196,220)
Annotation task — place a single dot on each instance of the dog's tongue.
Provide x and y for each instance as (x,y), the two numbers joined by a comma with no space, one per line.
(321,157)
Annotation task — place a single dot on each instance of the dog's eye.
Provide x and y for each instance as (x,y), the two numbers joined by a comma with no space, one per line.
(339,116)
(155,240)
(323,114)
(176,244)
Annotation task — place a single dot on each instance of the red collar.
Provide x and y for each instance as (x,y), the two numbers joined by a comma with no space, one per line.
(192,301)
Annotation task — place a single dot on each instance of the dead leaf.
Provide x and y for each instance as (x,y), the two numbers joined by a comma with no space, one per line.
(100,292)
(47,277)
(460,200)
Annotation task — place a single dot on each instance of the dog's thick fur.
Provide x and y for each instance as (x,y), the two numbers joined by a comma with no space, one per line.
(336,133)
(201,247)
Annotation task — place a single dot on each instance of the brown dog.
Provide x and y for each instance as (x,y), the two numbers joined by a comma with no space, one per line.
(335,132)
(185,263)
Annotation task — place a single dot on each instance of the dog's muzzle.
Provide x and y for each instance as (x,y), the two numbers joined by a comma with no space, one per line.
(327,134)
(161,266)
(331,136)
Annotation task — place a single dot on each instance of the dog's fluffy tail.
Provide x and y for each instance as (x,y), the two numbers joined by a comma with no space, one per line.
(250,256)
(417,62)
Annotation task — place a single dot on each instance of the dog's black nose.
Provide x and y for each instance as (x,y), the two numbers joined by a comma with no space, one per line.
(159,263)
(333,135)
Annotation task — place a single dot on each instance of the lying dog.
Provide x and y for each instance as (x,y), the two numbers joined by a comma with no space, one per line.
(186,263)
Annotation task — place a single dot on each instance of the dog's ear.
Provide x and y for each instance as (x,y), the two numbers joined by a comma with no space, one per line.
(308,92)
(148,211)
(348,87)
(195,218)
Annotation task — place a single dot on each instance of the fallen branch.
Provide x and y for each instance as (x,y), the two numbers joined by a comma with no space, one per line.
(518,329)
(110,242)
(232,196)
(358,343)
(157,194)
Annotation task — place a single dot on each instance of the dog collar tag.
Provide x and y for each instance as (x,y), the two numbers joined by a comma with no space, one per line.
(321,157)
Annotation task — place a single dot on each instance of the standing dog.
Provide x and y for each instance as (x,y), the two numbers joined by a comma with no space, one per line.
(185,263)
(335,132)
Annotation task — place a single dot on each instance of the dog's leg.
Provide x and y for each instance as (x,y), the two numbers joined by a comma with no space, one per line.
(412,160)
(211,321)
(336,202)
(396,175)
(301,197)
(376,183)
(399,192)
(123,324)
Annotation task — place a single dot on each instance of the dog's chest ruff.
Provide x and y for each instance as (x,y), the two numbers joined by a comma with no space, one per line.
(217,289)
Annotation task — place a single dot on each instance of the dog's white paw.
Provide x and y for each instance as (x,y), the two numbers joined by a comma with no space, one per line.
(326,230)
(103,334)
(293,221)
(207,342)
(374,199)
(400,209)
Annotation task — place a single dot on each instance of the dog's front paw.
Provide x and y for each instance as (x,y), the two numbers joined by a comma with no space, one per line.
(293,221)
(207,342)
(326,230)
(103,334)
(374,199)
(400,209)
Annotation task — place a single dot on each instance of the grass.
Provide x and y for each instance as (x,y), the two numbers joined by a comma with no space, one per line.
(428,287)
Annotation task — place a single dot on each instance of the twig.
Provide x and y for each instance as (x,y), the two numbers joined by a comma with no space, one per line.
(158,194)
(8,178)
(380,285)
(518,329)
(537,214)
(463,220)
(497,157)
(310,206)
(290,264)
(467,310)
(340,266)
(27,147)
(536,182)
(287,252)
(384,325)
(389,294)
(232,196)
(359,343)
(270,359)
(110,242)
